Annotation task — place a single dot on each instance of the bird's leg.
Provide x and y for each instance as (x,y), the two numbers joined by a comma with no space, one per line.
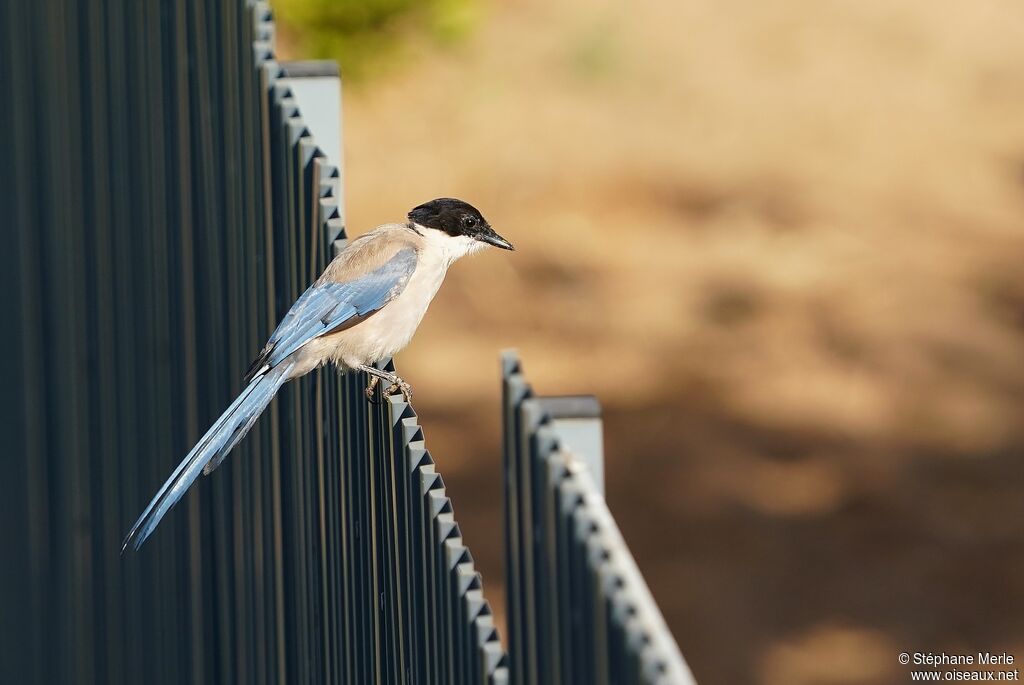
(374,381)
(392,378)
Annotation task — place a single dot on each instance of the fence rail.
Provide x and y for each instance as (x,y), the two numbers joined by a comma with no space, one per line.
(169,203)
(578,609)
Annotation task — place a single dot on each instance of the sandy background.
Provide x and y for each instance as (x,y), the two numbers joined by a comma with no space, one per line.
(784,244)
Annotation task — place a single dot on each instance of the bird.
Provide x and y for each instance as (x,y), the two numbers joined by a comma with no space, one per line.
(364,308)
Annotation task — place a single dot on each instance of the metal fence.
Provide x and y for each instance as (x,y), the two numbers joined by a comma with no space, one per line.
(578,608)
(169,204)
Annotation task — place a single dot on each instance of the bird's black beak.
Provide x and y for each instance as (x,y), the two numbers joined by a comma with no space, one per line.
(491,238)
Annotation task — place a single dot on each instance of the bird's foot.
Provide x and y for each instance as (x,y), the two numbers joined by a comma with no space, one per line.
(376,376)
(399,385)
(374,382)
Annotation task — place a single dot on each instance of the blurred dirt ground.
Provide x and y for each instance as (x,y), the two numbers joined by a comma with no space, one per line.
(784,243)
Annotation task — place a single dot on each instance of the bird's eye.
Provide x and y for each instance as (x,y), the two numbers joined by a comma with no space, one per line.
(469,221)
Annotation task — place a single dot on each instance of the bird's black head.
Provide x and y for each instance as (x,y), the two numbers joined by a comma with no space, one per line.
(457,218)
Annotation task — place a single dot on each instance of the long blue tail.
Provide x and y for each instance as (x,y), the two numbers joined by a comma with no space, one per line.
(211,450)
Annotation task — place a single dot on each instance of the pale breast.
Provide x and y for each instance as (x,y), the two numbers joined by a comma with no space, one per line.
(389,330)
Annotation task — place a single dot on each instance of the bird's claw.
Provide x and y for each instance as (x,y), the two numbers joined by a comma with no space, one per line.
(374,381)
(397,385)
(400,385)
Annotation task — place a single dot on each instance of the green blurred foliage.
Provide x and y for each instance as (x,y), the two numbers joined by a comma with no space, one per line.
(594,53)
(367,35)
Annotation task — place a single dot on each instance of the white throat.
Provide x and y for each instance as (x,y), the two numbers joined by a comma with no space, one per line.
(445,247)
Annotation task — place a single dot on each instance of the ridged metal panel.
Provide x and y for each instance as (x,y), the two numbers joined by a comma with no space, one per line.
(168,204)
(578,609)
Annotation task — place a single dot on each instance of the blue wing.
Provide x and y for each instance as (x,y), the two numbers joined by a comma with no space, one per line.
(327,307)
